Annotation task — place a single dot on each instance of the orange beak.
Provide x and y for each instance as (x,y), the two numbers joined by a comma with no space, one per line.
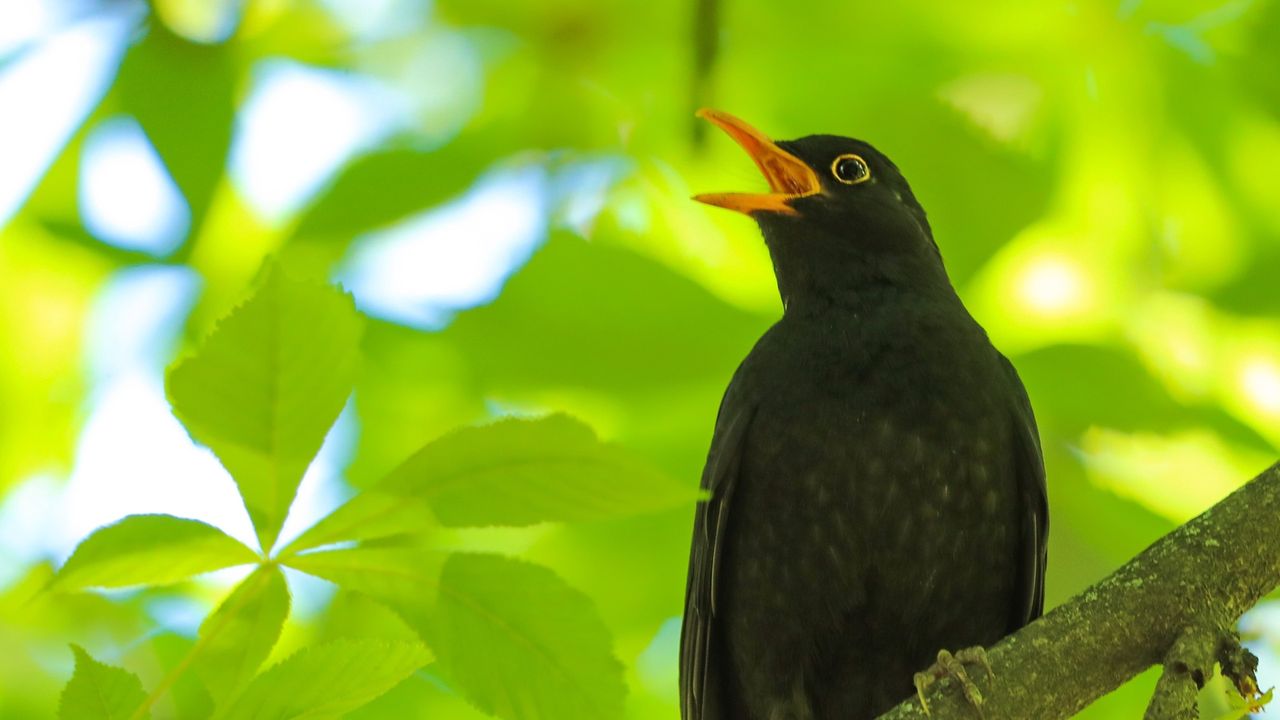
(789,177)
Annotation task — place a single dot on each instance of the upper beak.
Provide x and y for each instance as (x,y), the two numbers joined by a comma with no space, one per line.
(789,177)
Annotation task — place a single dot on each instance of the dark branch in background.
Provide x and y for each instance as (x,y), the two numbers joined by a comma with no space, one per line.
(1175,604)
(706,44)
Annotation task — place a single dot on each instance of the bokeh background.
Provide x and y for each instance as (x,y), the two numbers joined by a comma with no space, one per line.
(503,187)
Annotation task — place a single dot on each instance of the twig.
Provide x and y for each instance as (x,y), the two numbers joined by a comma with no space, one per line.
(1187,666)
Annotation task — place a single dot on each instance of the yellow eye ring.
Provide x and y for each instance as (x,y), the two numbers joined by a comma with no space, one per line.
(850,173)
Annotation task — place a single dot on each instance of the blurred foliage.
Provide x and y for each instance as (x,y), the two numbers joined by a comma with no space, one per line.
(1099,175)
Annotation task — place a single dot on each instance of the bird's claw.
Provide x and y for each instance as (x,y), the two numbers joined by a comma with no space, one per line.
(952,665)
(976,656)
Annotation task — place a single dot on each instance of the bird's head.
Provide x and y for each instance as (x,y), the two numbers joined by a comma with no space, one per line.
(839,216)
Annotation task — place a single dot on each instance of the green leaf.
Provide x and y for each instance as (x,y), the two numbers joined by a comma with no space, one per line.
(367,516)
(183,95)
(1242,707)
(356,615)
(522,644)
(239,635)
(401,576)
(382,187)
(99,692)
(149,550)
(187,697)
(327,681)
(412,386)
(525,471)
(604,318)
(513,472)
(265,386)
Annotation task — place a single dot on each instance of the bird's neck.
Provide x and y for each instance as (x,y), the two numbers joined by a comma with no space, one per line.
(813,287)
(856,266)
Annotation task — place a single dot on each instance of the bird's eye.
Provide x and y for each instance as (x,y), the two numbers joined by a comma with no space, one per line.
(850,169)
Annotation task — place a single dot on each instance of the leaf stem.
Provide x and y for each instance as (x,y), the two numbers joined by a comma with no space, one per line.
(202,641)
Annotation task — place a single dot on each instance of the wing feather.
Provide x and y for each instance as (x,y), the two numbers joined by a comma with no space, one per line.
(1029,465)
(700,691)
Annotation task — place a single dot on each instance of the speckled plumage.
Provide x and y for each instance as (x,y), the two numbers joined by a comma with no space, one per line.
(876,489)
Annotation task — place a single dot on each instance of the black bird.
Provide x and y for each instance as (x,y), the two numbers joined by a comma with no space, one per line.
(875,484)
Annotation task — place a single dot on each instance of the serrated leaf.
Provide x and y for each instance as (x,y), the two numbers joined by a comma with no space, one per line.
(264,387)
(367,516)
(400,576)
(356,615)
(186,698)
(149,550)
(327,681)
(98,691)
(237,637)
(526,471)
(522,644)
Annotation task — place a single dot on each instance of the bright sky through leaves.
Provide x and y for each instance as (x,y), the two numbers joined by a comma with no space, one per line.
(56,85)
(126,196)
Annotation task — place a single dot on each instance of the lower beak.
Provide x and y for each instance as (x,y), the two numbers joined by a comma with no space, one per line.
(789,177)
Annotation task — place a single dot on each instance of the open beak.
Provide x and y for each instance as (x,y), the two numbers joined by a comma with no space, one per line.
(789,177)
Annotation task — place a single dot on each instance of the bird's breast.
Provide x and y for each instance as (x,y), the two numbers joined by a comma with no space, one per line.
(876,510)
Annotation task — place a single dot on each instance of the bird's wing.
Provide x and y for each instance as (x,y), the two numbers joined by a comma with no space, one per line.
(1029,464)
(700,691)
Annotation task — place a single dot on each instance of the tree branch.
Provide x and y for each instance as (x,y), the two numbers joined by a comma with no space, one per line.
(1165,605)
(1187,666)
